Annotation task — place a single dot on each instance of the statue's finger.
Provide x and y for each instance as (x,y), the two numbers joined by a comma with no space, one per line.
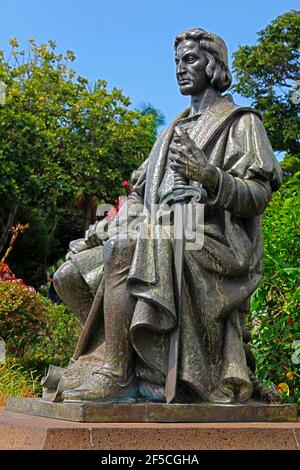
(174,148)
(175,165)
(179,157)
(180,131)
(178,165)
(179,169)
(182,134)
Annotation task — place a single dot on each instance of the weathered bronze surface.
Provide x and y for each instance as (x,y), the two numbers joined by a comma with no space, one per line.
(125,287)
(90,412)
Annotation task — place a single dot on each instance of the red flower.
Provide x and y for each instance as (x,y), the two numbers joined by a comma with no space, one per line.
(125,184)
(291,321)
(5,273)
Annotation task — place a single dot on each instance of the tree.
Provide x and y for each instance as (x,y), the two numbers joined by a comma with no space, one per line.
(109,140)
(147,109)
(275,321)
(63,145)
(267,73)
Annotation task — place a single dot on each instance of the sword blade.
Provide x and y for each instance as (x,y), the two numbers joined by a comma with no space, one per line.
(171,381)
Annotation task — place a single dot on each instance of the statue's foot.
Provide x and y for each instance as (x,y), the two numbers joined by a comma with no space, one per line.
(75,375)
(102,387)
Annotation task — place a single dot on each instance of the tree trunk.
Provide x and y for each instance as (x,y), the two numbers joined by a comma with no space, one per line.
(89,208)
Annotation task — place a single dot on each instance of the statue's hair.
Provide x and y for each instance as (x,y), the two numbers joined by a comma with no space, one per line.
(215,50)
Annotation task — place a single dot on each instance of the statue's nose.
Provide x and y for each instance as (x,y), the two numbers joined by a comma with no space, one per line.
(180,69)
(180,75)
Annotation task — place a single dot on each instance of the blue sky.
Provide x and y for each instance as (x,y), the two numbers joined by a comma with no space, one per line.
(130,43)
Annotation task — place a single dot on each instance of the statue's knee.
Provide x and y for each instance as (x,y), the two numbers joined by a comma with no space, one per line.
(64,277)
(117,253)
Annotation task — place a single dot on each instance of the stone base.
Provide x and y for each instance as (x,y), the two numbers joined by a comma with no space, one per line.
(23,432)
(93,412)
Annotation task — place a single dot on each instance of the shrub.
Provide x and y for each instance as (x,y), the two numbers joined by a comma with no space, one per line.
(55,344)
(16,381)
(275,321)
(21,315)
(37,332)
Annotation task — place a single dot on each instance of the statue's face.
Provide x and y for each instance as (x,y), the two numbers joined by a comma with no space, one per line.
(191,63)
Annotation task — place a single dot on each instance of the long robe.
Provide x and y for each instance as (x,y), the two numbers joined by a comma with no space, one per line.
(219,278)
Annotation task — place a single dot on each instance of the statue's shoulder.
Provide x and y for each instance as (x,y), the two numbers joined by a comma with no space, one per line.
(224,106)
(217,118)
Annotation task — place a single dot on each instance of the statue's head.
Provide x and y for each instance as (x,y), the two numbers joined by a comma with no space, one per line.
(201,60)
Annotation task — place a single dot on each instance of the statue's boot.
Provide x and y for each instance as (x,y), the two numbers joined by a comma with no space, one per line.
(78,372)
(103,386)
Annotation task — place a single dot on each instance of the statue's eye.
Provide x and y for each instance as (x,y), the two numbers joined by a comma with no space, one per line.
(191,58)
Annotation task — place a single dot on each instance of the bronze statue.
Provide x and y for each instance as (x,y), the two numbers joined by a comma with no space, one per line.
(123,291)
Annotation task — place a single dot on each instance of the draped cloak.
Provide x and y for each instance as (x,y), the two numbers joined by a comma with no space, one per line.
(219,278)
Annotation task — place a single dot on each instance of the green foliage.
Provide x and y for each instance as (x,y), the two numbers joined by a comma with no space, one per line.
(57,136)
(267,73)
(147,109)
(64,146)
(56,343)
(15,381)
(290,164)
(37,332)
(21,316)
(44,243)
(275,305)
(39,91)
(29,255)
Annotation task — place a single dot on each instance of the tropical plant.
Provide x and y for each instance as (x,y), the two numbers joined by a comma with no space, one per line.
(275,319)
(268,74)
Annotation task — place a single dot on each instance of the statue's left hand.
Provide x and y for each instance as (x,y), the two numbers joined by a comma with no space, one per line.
(190,161)
(96,233)
(76,246)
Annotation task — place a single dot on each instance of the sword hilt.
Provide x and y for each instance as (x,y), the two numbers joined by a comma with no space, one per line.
(181,192)
(180,180)
(184,193)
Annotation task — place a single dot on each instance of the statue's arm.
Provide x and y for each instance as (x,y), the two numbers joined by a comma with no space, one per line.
(250,171)
(242,197)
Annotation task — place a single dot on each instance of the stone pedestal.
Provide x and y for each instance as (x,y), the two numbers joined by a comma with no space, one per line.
(20,431)
(96,412)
